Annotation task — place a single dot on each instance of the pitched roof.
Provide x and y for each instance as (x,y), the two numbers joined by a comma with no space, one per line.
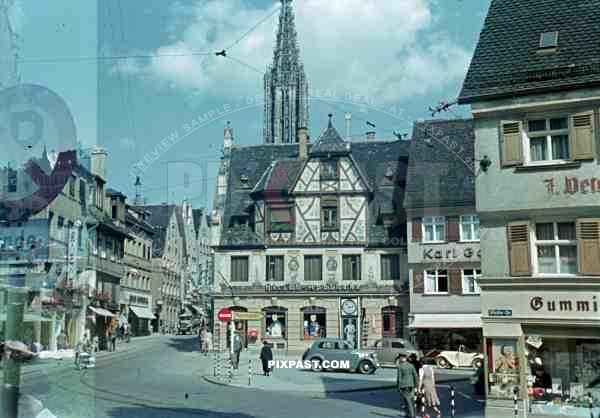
(278,178)
(440,173)
(330,142)
(159,217)
(508,60)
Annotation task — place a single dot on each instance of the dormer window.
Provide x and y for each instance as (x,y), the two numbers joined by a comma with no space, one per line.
(244,180)
(548,40)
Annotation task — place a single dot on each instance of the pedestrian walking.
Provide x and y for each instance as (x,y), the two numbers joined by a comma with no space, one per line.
(407,380)
(266,355)
(237,349)
(112,339)
(208,342)
(202,340)
(78,349)
(427,387)
(414,360)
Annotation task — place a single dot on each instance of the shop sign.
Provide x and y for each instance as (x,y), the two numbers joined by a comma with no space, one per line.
(500,312)
(538,303)
(247,316)
(450,253)
(572,185)
(296,287)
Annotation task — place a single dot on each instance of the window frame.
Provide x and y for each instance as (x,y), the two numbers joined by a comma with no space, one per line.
(239,258)
(325,173)
(474,231)
(358,269)
(274,257)
(327,204)
(383,257)
(557,243)
(434,223)
(427,291)
(476,275)
(313,256)
(547,134)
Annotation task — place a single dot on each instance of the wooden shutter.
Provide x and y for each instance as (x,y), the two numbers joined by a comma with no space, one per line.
(417,229)
(418,282)
(518,248)
(511,143)
(581,136)
(588,234)
(455,277)
(453,229)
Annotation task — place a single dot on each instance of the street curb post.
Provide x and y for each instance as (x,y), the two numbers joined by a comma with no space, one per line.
(452,403)
(249,372)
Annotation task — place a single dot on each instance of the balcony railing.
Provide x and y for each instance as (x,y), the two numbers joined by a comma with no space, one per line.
(106,265)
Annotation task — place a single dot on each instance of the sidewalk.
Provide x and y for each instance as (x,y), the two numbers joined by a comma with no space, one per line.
(53,365)
(305,381)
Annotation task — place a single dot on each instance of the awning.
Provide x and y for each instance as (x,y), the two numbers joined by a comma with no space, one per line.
(142,313)
(448,321)
(101,312)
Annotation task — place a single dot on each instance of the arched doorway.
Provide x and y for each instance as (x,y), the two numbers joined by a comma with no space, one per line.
(392,322)
(241,327)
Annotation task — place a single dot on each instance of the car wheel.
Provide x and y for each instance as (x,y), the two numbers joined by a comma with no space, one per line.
(477,363)
(443,363)
(316,364)
(366,367)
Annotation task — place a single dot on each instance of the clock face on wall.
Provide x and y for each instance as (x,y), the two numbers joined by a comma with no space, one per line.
(349,307)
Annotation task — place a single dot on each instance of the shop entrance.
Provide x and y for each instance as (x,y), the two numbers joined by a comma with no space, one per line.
(392,324)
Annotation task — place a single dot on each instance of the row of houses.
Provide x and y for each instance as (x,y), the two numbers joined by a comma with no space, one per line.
(481,235)
(93,261)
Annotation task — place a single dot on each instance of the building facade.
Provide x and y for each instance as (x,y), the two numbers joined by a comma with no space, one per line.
(444,256)
(312,239)
(535,99)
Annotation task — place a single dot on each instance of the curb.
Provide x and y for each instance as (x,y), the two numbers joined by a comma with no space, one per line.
(215,381)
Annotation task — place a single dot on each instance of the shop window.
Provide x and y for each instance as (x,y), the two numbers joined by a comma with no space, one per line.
(351,267)
(275,268)
(275,322)
(469,281)
(556,247)
(503,367)
(562,373)
(313,267)
(434,228)
(239,269)
(436,281)
(390,267)
(469,228)
(313,323)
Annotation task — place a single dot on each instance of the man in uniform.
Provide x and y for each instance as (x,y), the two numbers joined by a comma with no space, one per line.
(407,381)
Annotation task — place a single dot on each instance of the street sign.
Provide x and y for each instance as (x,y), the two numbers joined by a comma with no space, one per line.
(499,312)
(225,315)
(247,316)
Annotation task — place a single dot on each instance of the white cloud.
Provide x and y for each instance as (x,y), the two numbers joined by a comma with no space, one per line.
(386,49)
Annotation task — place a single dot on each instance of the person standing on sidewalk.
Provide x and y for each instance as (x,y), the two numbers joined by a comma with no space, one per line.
(237,349)
(266,355)
(208,342)
(427,386)
(407,380)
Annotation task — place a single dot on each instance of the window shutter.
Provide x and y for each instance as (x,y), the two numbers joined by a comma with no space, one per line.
(417,229)
(418,282)
(582,136)
(588,234)
(453,229)
(518,249)
(511,143)
(455,278)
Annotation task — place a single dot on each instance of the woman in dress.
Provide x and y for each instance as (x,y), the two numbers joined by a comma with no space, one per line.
(266,355)
(427,387)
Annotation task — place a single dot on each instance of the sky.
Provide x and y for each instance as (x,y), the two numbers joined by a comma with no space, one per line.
(385,61)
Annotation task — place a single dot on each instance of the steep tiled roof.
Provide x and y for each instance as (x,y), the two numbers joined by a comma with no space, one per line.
(278,178)
(159,218)
(330,142)
(508,60)
(440,172)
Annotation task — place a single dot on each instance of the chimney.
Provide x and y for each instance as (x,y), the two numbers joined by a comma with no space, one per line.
(303,143)
(99,161)
(370,135)
(348,125)
(227,138)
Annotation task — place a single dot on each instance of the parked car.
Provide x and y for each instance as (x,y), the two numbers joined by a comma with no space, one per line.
(460,358)
(388,350)
(331,349)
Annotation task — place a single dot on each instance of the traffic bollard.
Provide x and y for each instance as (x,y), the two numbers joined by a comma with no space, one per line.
(591,404)
(422,404)
(516,400)
(452,404)
(249,372)
(416,400)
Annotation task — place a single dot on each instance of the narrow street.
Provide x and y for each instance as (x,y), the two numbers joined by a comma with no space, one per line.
(155,384)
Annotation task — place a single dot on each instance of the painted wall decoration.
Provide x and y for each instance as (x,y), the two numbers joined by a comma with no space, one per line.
(353,218)
(309,179)
(329,186)
(293,264)
(332,264)
(349,177)
(308,219)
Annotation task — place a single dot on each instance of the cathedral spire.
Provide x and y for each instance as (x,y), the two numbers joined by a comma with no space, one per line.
(286,87)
